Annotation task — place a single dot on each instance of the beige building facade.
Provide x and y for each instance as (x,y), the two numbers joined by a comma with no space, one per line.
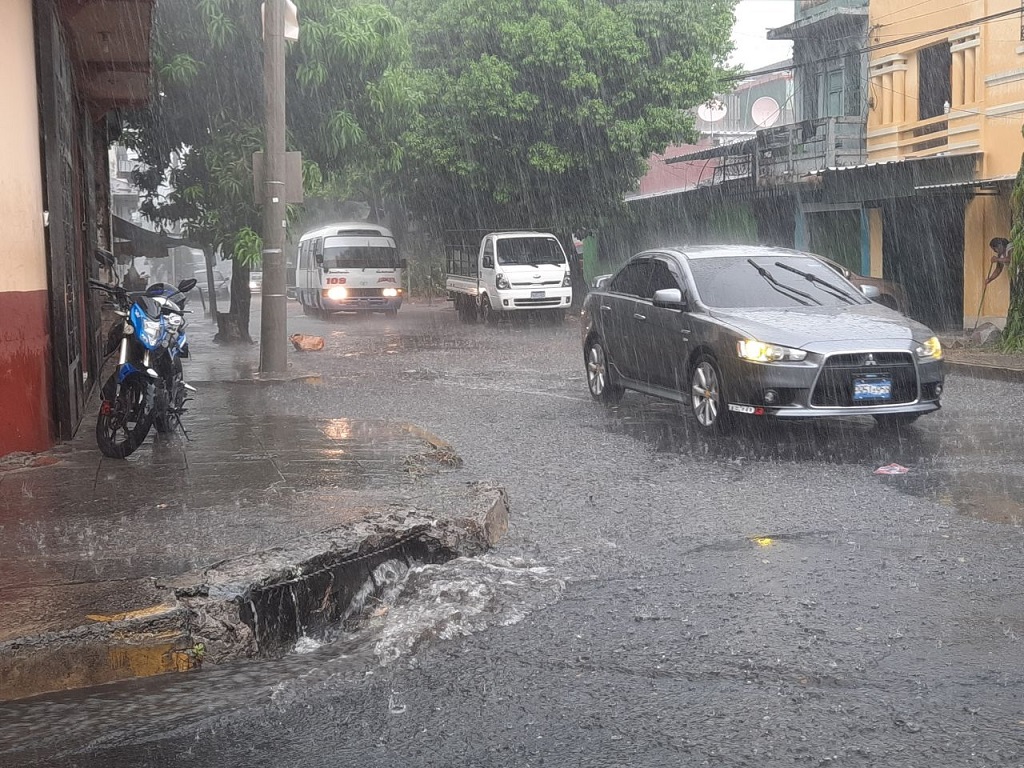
(946,79)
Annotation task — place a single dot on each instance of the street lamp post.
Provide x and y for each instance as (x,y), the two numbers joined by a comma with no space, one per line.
(274,317)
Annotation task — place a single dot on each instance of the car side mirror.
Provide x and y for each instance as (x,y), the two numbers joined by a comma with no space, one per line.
(404,263)
(871,292)
(601,281)
(187,284)
(488,262)
(319,259)
(670,298)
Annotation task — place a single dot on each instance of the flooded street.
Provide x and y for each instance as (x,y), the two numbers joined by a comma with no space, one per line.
(662,597)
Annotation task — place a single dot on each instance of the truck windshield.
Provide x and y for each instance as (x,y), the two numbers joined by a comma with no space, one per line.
(360,256)
(529,250)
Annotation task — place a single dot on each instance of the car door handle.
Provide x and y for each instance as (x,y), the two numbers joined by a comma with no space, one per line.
(605,308)
(638,316)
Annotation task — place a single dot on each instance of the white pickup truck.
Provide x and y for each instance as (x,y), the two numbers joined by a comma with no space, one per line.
(509,272)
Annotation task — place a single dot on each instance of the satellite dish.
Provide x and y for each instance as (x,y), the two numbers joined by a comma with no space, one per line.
(712,111)
(765,112)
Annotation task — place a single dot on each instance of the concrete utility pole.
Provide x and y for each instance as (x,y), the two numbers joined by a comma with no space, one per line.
(274,318)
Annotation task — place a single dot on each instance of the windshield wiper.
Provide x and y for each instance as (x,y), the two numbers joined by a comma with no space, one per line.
(835,290)
(782,288)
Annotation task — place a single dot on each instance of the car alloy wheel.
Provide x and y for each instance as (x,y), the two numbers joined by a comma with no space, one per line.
(706,394)
(598,378)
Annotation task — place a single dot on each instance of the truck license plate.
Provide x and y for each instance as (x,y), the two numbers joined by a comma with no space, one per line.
(536,294)
(872,388)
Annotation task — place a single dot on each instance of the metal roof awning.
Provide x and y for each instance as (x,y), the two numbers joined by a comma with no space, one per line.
(132,240)
(976,183)
(890,179)
(806,26)
(744,147)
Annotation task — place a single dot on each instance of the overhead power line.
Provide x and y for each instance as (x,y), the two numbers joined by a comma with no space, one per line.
(881,46)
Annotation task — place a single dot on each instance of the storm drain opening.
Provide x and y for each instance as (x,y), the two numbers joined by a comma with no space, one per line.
(332,594)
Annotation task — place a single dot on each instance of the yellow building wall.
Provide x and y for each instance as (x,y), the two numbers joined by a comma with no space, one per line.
(22,258)
(985,117)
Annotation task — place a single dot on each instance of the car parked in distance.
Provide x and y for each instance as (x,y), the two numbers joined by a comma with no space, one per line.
(890,293)
(754,332)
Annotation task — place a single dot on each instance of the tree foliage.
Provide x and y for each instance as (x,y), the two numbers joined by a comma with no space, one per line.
(543,113)
(348,95)
(1013,334)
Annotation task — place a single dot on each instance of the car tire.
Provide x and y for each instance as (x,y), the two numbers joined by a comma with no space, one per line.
(896,420)
(707,397)
(487,314)
(466,309)
(599,379)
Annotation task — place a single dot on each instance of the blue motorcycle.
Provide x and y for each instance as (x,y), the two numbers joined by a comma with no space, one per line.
(147,389)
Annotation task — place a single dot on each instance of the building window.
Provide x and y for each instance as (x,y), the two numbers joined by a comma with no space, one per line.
(830,93)
(853,81)
(934,72)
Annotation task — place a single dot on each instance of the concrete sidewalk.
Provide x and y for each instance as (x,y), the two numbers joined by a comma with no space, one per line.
(100,558)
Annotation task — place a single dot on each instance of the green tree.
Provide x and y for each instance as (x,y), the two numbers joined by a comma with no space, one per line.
(543,113)
(349,100)
(1013,334)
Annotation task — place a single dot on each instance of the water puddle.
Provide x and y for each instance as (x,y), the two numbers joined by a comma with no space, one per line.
(995,498)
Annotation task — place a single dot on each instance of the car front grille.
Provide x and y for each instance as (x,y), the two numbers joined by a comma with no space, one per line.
(834,387)
(538,284)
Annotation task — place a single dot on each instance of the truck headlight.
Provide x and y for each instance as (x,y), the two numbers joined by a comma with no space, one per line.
(567,281)
(337,292)
(501,281)
(389,293)
(760,352)
(930,349)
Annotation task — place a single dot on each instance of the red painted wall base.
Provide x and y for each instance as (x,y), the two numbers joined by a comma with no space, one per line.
(26,422)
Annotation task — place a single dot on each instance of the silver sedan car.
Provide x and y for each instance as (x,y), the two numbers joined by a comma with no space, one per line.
(755,332)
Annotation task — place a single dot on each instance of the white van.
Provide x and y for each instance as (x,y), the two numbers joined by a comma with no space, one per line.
(349,267)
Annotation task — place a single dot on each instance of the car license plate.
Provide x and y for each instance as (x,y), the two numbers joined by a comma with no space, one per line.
(536,294)
(872,388)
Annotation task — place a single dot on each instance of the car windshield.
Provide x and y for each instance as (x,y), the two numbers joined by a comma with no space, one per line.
(745,282)
(530,250)
(338,256)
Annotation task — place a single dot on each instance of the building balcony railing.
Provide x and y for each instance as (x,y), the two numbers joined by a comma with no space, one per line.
(952,133)
(787,152)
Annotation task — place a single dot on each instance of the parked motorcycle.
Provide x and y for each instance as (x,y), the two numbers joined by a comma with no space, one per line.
(147,389)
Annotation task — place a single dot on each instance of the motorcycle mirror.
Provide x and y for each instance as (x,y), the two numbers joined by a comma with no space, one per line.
(187,284)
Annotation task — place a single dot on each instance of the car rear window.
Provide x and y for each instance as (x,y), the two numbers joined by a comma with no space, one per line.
(733,282)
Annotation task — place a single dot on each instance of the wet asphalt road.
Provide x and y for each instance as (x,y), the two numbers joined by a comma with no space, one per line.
(757,599)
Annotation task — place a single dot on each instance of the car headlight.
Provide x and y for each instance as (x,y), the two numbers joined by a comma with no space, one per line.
(389,293)
(567,281)
(337,292)
(759,352)
(501,281)
(930,350)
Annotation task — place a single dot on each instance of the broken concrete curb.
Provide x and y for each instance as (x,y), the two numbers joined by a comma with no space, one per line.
(254,605)
(983,371)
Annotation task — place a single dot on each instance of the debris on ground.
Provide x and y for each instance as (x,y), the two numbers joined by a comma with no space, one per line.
(892,469)
(306,343)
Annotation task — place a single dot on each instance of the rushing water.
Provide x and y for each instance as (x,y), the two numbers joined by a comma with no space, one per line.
(395,613)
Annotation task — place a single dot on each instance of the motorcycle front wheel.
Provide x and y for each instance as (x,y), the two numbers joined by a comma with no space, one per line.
(123,421)
(165,422)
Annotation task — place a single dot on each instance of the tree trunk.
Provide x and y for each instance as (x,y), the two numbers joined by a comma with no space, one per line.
(211,288)
(233,326)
